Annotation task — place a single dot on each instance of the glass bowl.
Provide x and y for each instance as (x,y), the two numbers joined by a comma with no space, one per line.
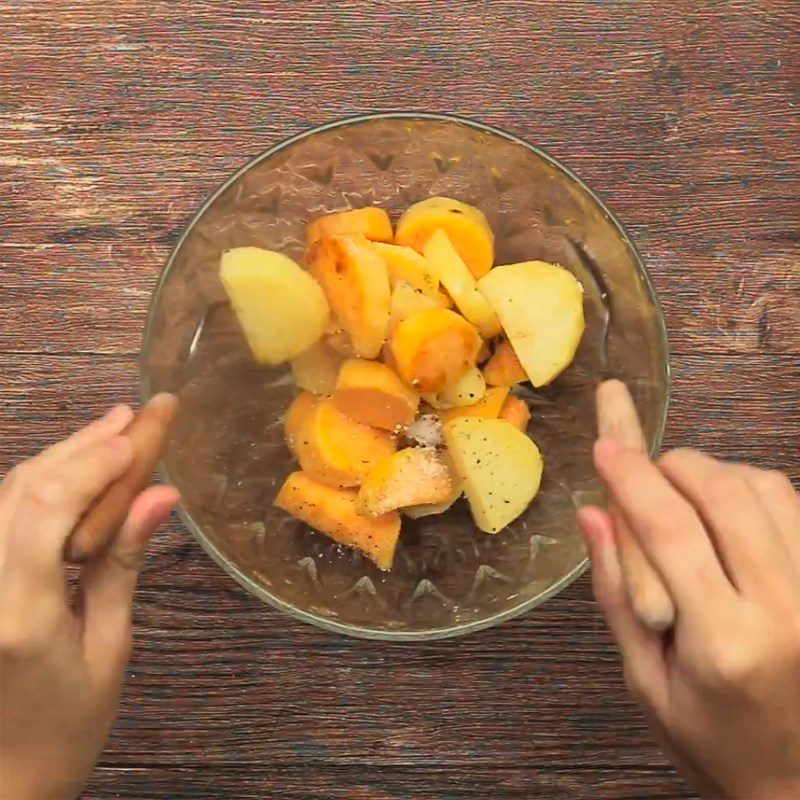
(227,454)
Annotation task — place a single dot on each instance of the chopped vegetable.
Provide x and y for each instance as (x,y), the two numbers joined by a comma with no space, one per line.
(370,393)
(371,223)
(434,347)
(409,477)
(281,308)
(356,284)
(336,450)
(333,512)
(465,225)
(500,467)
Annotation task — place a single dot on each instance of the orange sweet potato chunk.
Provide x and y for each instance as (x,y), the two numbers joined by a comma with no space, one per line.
(335,450)
(434,347)
(356,284)
(371,393)
(372,223)
(504,368)
(410,477)
(488,406)
(296,415)
(333,512)
(516,411)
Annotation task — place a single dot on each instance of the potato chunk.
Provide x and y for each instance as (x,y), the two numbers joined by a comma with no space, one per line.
(405,264)
(541,308)
(500,468)
(333,512)
(281,308)
(488,407)
(405,301)
(317,368)
(466,226)
(461,285)
(409,477)
(356,284)
(466,391)
(370,393)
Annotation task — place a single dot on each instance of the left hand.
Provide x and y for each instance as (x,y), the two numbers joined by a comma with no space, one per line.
(62,664)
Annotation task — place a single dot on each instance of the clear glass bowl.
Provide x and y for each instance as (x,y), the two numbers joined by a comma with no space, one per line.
(227,454)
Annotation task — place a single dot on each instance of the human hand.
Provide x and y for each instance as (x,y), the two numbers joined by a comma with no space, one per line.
(722,689)
(62,664)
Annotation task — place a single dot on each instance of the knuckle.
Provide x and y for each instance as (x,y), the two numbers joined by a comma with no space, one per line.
(723,487)
(728,669)
(773,484)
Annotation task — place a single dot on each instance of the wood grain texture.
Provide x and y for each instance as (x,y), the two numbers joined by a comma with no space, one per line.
(118,118)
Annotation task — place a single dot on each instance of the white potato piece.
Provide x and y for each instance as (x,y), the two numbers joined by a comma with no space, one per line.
(469,389)
(405,300)
(281,308)
(428,509)
(500,468)
(541,308)
(461,285)
(317,369)
(405,264)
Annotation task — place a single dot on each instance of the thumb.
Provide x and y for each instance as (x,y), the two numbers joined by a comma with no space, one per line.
(108,584)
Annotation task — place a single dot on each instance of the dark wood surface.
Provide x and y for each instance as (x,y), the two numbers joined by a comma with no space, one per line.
(118,118)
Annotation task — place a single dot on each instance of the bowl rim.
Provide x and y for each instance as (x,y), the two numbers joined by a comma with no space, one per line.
(331,625)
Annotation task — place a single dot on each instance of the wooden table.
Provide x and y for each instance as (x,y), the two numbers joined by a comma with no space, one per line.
(118,118)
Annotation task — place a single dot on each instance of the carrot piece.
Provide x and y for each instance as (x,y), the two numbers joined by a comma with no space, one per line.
(370,393)
(372,223)
(410,477)
(515,410)
(333,512)
(504,368)
(434,347)
(356,284)
(465,225)
(336,450)
(489,406)
(296,415)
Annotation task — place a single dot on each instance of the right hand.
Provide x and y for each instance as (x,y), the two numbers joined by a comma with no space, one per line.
(722,689)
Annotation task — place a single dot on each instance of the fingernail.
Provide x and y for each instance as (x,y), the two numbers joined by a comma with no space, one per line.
(116,412)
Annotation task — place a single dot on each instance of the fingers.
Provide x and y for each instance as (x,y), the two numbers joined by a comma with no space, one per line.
(618,419)
(667,528)
(108,584)
(112,423)
(641,648)
(51,499)
(783,503)
(745,532)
